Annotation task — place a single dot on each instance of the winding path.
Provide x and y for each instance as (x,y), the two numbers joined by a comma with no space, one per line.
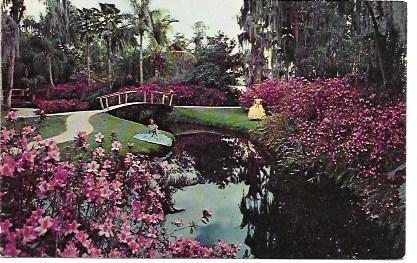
(76,122)
(79,120)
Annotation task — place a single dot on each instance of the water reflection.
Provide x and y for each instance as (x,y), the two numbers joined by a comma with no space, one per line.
(273,214)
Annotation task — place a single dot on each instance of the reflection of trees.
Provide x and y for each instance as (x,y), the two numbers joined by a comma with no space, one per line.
(217,159)
(285,215)
(311,220)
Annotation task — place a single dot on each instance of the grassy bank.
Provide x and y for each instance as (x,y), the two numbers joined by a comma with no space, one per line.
(52,126)
(224,118)
(125,130)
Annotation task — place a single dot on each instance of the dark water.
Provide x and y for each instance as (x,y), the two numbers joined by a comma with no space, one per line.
(271,214)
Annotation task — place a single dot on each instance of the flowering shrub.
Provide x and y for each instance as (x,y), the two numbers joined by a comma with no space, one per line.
(343,129)
(186,95)
(63,105)
(99,205)
(71,90)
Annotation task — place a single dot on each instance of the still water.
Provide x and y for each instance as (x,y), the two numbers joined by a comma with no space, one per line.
(270,214)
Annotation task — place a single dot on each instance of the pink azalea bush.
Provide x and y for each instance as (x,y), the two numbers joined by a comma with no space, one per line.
(186,95)
(344,130)
(61,105)
(70,90)
(98,204)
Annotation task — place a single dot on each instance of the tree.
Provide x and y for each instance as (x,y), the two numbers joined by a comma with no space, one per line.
(312,39)
(218,65)
(114,31)
(160,24)
(50,54)
(141,24)
(200,33)
(86,26)
(10,49)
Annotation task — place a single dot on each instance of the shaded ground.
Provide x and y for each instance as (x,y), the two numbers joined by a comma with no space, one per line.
(227,118)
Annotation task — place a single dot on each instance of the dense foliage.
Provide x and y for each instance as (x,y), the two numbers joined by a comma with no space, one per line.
(346,132)
(326,39)
(218,65)
(186,94)
(99,205)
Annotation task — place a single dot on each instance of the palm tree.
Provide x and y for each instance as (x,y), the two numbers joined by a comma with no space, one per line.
(114,30)
(10,49)
(85,26)
(49,54)
(141,23)
(160,24)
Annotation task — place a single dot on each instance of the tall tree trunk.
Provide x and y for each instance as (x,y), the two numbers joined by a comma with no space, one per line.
(141,59)
(378,40)
(10,76)
(88,60)
(51,79)
(109,70)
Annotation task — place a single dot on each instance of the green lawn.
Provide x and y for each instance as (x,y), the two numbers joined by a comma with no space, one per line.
(52,126)
(233,119)
(125,130)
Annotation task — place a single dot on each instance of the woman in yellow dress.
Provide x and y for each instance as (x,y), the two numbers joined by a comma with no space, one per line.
(256,112)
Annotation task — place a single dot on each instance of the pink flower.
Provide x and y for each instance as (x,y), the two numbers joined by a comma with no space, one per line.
(105,191)
(70,251)
(8,166)
(81,236)
(45,223)
(116,146)
(27,130)
(125,236)
(53,151)
(106,164)
(134,246)
(98,152)
(103,173)
(11,250)
(61,176)
(11,116)
(105,230)
(99,137)
(92,167)
(28,234)
(70,228)
(5,226)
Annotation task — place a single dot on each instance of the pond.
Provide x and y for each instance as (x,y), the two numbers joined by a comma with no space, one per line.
(272,215)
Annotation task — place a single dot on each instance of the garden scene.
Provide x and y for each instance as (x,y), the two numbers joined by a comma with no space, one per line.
(203,129)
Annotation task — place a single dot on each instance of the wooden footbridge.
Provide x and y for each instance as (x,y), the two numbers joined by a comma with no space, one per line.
(126,98)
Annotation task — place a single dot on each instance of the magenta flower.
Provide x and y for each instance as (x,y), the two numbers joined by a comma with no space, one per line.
(28,233)
(11,116)
(7,166)
(45,223)
(5,226)
(105,230)
(71,227)
(70,251)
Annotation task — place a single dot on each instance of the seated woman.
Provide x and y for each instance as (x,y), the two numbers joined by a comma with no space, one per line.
(256,112)
(153,128)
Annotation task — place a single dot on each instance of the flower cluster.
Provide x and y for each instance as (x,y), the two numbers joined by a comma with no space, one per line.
(61,105)
(343,129)
(186,95)
(68,91)
(96,205)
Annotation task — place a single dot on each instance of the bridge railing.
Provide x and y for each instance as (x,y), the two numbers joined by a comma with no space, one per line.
(154,97)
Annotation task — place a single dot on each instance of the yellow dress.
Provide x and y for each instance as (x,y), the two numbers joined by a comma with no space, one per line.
(256,112)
